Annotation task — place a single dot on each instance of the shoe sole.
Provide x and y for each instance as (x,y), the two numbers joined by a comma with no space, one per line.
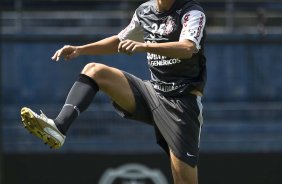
(33,126)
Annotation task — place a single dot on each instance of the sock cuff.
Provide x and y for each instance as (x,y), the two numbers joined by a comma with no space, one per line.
(88,80)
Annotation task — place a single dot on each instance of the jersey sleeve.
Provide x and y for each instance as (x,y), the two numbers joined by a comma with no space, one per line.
(133,31)
(193,23)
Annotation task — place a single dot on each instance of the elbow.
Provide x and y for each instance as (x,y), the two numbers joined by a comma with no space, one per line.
(188,53)
(189,49)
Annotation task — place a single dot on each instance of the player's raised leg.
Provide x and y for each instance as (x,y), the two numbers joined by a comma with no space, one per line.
(93,77)
(182,172)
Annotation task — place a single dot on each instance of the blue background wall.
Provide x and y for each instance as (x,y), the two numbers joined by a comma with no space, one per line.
(242,103)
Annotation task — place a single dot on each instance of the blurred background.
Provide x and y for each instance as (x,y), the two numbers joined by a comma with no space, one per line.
(241,139)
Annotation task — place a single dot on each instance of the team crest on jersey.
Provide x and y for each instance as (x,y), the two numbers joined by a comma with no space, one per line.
(169,25)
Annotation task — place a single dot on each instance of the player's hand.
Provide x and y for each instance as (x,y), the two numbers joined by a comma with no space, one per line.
(129,47)
(67,52)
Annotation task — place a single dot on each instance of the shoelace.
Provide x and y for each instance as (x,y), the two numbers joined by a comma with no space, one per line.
(41,116)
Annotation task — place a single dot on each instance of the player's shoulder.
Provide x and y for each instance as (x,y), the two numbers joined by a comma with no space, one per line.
(147,6)
(190,5)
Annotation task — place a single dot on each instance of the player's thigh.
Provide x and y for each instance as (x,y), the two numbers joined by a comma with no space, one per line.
(182,172)
(113,82)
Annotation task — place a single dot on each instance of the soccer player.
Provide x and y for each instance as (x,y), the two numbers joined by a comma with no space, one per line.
(172,34)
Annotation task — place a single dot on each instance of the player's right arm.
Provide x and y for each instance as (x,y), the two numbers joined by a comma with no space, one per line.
(105,46)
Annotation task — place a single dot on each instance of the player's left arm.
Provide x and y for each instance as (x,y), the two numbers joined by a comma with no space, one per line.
(189,42)
(181,49)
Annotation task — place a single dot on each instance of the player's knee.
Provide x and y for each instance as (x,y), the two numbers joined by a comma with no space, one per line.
(95,70)
(98,72)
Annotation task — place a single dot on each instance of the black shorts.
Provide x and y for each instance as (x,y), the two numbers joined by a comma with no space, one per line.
(177,120)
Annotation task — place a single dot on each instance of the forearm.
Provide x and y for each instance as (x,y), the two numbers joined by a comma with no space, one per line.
(106,46)
(172,49)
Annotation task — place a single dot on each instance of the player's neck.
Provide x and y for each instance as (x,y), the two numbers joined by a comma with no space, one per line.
(164,5)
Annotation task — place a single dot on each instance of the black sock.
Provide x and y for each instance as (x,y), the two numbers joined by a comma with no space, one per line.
(79,98)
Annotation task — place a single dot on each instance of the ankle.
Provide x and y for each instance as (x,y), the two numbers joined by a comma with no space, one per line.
(60,126)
